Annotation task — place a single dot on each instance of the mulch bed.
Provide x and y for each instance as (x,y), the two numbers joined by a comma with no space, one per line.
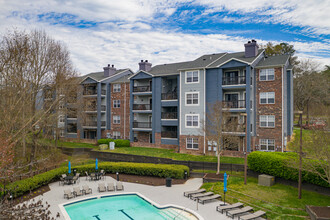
(33,194)
(319,212)
(147,180)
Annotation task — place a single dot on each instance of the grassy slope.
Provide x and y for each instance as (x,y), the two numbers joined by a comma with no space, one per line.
(165,153)
(279,201)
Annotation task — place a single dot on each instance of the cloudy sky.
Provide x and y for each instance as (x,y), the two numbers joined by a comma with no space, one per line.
(122,32)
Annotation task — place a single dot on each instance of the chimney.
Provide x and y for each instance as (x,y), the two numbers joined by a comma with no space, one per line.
(145,65)
(251,49)
(109,70)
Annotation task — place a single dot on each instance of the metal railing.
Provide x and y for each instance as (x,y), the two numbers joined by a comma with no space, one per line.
(142,107)
(103,108)
(142,89)
(234,104)
(142,124)
(93,123)
(94,92)
(169,115)
(169,134)
(239,128)
(169,96)
(236,80)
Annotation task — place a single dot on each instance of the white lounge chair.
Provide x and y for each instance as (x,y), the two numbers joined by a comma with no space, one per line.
(229,207)
(101,187)
(255,215)
(77,191)
(199,195)
(244,210)
(208,198)
(87,189)
(111,187)
(68,194)
(119,186)
(189,193)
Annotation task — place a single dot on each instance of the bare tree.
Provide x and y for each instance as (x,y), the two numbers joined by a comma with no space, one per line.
(220,127)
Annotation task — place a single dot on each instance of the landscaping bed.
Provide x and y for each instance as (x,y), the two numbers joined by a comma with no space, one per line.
(318,212)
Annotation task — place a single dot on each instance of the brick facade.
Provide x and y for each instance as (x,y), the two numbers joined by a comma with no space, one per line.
(123,111)
(270,109)
(183,145)
(143,141)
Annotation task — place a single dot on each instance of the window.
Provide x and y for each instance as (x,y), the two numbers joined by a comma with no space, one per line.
(116,87)
(267,97)
(116,135)
(267,121)
(116,103)
(267,144)
(62,133)
(267,75)
(192,98)
(192,76)
(192,121)
(192,143)
(61,118)
(116,119)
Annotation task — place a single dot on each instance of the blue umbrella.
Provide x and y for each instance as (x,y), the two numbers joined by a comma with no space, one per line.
(224,187)
(96,163)
(69,171)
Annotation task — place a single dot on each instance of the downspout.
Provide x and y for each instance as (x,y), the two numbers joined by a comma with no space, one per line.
(282,109)
(204,107)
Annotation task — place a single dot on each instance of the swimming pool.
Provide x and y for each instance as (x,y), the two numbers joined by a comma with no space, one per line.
(132,206)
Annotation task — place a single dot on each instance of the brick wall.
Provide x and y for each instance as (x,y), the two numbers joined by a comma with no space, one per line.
(183,148)
(123,111)
(143,141)
(270,109)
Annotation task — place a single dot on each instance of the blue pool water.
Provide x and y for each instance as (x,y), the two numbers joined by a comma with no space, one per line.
(119,207)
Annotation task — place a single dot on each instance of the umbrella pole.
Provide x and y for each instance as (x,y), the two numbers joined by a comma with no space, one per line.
(224,197)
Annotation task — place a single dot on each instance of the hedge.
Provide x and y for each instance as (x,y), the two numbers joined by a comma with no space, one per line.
(277,164)
(118,142)
(21,187)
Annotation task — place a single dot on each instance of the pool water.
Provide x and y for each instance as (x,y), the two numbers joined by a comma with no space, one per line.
(121,207)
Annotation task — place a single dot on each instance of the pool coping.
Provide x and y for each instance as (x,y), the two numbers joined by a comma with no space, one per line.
(67,217)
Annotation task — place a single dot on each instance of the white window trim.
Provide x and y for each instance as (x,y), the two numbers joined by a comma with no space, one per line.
(266,98)
(266,75)
(192,116)
(117,84)
(117,104)
(266,145)
(198,71)
(113,134)
(113,119)
(186,99)
(192,143)
(267,121)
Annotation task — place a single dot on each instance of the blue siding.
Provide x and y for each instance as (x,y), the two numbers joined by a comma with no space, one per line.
(289,119)
(131,135)
(212,88)
(170,103)
(178,91)
(88,80)
(98,131)
(169,141)
(233,64)
(141,75)
(170,122)
(156,106)
(248,111)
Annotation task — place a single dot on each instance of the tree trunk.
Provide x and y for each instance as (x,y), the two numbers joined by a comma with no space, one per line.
(307,111)
(218,165)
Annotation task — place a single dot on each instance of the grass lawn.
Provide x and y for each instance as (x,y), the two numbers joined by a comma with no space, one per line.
(294,144)
(279,201)
(165,153)
(74,144)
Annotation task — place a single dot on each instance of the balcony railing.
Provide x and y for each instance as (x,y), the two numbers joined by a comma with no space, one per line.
(169,134)
(141,89)
(234,80)
(234,104)
(93,123)
(142,124)
(103,108)
(239,128)
(142,107)
(169,96)
(94,92)
(169,115)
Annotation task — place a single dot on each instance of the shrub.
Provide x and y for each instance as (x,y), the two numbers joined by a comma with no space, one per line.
(21,187)
(104,141)
(122,143)
(278,164)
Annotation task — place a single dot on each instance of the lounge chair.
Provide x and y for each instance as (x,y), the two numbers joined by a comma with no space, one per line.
(102,174)
(93,176)
(111,187)
(199,195)
(87,176)
(189,193)
(119,186)
(77,191)
(101,187)
(208,198)
(68,194)
(62,181)
(86,189)
(229,207)
(252,215)
(75,179)
(241,211)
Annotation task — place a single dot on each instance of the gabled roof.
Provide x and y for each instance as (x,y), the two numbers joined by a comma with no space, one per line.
(279,60)
(99,76)
(123,79)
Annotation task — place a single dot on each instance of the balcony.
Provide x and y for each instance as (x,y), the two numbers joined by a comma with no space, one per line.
(169,96)
(93,124)
(234,104)
(142,124)
(235,129)
(237,80)
(93,92)
(142,89)
(142,107)
(169,134)
(169,115)
(103,108)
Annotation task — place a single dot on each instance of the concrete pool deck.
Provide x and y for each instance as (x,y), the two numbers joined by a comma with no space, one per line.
(159,194)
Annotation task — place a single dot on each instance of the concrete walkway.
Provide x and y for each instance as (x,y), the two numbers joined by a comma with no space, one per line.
(159,194)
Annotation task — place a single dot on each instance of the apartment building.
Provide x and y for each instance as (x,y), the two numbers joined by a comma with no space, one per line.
(168,102)
(92,111)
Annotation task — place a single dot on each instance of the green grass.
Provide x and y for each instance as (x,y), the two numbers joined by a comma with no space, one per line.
(294,144)
(279,201)
(166,153)
(76,145)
